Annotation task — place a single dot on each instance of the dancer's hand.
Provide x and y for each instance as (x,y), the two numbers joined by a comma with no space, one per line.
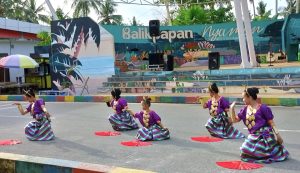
(47,114)
(17,104)
(279,139)
(129,111)
(125,108)
(232,105)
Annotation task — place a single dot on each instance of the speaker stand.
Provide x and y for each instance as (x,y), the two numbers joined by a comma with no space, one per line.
(270,65)
(154,40)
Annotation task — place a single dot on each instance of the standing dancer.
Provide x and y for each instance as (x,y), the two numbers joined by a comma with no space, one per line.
(121,119)
(219,125)
(264,143)
(152,128)
(40,128)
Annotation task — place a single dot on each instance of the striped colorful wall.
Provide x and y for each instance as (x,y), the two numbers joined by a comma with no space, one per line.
(15,163)
(155,99)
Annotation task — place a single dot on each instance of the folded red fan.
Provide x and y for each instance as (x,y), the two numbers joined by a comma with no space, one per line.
(206,139)
(136,143)
(107,133)
(9,142)
(240,165)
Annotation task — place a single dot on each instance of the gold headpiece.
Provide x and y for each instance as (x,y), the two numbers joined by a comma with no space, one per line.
(27,93)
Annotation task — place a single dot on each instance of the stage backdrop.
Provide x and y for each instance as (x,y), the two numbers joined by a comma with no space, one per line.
(190,44)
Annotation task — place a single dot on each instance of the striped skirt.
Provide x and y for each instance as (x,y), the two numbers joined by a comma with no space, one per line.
(262,147)
(220,127)
(123,121)
(154,133)
(39,130)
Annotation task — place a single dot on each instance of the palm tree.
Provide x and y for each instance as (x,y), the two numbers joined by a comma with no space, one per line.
(262,12)
(82,7)
(298,6)
(253,6)
(61,15)
(32,12)
(291,7)
(107,10)
(12,9)
(134,23)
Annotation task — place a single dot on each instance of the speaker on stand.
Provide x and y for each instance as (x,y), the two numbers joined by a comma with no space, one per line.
(213,60)
(154,28)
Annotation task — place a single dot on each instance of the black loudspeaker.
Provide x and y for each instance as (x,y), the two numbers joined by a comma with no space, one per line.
(154,28)
(214,60)
(170,63)
(156,58)
(3,55)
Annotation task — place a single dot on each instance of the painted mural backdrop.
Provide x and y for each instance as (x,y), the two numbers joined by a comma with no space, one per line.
(189,44)
(79,62)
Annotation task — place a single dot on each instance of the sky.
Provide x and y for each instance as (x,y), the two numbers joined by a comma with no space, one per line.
(142,13)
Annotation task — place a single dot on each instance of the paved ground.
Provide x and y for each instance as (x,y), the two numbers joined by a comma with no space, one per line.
(75,123)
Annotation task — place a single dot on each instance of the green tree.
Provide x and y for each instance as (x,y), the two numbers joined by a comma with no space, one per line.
(32,12)
(107,17)
(24,10)
(262,13)
(198,15)
(291,6)
(289,9)
(192,15)
(61,15)
(12,9)
(221,15)
(83,7)
(45,38)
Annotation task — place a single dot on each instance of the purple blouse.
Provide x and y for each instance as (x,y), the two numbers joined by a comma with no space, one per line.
(152,119)
(118,105)
(37,107)
(222,105)
(261,117)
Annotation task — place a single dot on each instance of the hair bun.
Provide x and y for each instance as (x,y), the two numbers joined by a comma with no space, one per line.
(146,98)
(256,90)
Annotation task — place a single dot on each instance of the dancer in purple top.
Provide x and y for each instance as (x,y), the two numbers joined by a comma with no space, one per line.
(40,129)
(219,124)
(121,119)
(264,143)
(152,128)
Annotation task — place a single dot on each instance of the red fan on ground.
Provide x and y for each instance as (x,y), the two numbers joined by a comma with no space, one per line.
(107,133)
(136,143)
(206,139)
(240,165)
(9,142)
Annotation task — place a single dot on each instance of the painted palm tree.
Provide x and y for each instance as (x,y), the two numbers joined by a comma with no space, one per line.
(107,10)
(83,7)
(71,34)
